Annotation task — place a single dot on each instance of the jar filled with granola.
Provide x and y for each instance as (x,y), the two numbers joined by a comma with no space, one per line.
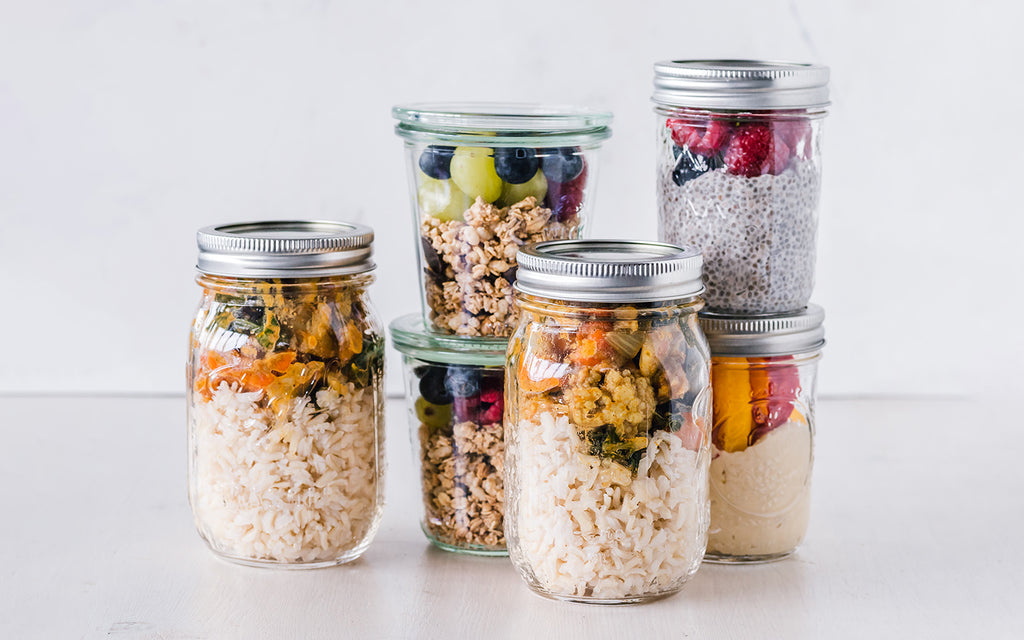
(608,406)
(455,399)
(486,179)
(285,415)
(739,175)
(763,373)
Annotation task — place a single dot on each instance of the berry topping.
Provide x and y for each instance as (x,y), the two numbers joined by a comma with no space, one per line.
(690,165)
(515,166)
(432,386)
(462,382)
(466,409)
(436,160)
(750,151)
(537,186)
(566,198)
(796,134)
(705,139)
(562,165)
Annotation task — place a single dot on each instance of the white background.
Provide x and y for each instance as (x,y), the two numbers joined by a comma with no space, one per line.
(125,125)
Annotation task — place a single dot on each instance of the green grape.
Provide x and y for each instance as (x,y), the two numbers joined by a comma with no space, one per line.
(433,415)
(473,171)
(537,186)
(441,199)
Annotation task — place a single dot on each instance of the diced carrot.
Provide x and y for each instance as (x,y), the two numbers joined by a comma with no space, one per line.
(279,362)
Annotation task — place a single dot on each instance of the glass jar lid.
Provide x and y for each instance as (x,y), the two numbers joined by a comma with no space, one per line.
(413,338)
(501,124)
(285,249)
(740,84)
(769,335)
(609,271)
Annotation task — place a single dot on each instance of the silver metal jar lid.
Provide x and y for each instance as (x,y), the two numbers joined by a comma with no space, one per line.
(609,271)
(496,124)
(740,84)
(769,335)
(285,249)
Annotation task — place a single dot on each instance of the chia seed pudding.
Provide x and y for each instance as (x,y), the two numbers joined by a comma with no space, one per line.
(757,232)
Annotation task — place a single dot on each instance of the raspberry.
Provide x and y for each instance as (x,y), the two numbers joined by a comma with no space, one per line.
(750,151)
(796,134)
(699,138)
(781,154)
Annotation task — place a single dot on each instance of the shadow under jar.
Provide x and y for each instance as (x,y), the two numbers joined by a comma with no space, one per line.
(763,376)
(455,400)
(739,175)
(608,406)
(485,180)
(285,415)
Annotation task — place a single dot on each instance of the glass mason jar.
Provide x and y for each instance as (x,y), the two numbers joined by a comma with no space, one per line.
(455,398)
(739,175)
(285,415)
(486,179)
(763,374)
(607,410)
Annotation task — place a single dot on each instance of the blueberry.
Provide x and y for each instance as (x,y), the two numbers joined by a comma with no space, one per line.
(431,258)
(463,382)
(692,165)
(432,386)
(515,166)
(436,161)
(562,165)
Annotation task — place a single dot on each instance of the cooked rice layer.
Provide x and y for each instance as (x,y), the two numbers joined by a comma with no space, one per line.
(579,532)
(298,488)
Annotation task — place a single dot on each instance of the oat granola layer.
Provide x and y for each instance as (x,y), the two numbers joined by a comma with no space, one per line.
(468,278)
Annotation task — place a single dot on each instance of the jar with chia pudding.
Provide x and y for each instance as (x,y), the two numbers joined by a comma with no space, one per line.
(486,179)
(285,399)
(739,175)
(606,422)
(455,403)
(763,372)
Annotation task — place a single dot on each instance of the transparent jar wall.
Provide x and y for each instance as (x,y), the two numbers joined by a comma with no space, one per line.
(607,449)
(763,454)
(472,218)
(744,188)
(285,420)
(456,422)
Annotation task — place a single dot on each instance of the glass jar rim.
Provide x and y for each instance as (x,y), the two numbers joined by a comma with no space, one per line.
(411,337)
(501,124)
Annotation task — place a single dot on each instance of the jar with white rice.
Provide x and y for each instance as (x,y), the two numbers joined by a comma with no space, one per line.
(763,372)
(285,401)
(607,410)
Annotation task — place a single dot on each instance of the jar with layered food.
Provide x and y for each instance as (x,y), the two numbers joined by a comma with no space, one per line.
(485,180)
(455,401)
(739,175)
(608,406)
(763,374)
(285,415)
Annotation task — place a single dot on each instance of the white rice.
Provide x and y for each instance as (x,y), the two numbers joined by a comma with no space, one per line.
(304,487)
(575,534)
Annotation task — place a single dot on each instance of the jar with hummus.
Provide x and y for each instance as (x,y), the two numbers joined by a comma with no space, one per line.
(763,378)
(607,409)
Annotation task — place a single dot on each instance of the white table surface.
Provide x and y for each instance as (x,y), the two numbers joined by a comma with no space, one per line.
(915,532)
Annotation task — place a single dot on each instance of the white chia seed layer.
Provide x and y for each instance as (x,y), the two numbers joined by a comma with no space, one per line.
(757,234)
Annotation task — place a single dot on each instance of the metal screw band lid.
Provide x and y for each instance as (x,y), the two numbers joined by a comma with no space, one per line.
(769,335)
(740,84)
(609,271)
(285,249)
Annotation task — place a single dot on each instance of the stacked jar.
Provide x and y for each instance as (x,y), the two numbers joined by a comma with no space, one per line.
(739,175)
(484,180)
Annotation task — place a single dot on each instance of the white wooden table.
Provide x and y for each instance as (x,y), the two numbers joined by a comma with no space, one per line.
(916,532)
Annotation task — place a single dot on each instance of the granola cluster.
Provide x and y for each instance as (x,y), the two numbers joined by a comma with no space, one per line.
(462,484)
(470,263)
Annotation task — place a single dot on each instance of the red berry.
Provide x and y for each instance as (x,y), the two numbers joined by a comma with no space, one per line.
(781,154)
(565,198)
(465,409)
(705,139)
(492,414)
(750,151)
(490,396)
(796,134)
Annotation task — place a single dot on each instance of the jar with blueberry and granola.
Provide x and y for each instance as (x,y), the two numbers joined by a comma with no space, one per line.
(739,175)
(485,180)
